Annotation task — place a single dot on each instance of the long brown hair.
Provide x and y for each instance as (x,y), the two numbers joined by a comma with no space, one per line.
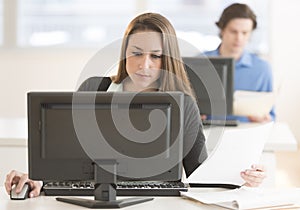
(173,77)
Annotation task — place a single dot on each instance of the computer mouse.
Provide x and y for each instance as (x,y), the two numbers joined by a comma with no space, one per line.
(22,195)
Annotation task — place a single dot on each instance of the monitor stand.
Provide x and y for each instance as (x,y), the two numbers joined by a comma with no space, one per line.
(105,189)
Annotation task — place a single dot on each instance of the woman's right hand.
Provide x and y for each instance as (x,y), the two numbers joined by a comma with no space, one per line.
(19,178)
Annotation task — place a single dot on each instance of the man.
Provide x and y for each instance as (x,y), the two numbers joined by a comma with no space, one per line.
(251,73)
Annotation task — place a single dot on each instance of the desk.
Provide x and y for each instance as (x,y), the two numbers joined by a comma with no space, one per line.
(159,203)
(13,132)
(281,137)
(49,203)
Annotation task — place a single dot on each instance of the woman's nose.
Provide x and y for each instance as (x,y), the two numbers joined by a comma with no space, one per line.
(146,62)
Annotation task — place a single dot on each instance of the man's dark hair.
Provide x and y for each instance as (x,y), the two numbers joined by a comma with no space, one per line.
(236,11)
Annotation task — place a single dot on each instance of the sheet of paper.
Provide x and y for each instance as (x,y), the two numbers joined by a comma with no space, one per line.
(236,151)
(251,103)
(248,198)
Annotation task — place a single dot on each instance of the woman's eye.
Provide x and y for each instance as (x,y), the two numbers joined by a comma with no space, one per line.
(137,53)
(156,56)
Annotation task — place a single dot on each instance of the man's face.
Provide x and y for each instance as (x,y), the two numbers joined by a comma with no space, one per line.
(236,34)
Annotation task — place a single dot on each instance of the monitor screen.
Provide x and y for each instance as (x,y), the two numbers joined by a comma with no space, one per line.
(212,79)
(68,131)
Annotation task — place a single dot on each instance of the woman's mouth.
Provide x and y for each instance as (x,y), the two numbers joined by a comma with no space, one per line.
(143,75)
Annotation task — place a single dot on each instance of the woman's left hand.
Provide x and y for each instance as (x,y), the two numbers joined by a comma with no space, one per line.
(254,177)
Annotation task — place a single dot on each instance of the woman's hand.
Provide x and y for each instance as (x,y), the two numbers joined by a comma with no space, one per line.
(18,178)
(254,177)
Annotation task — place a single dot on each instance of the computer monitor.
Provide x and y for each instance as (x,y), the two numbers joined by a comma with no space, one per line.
(68,131)
(213,81)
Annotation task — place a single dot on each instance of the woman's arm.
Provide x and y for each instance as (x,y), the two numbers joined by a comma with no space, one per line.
(194,149)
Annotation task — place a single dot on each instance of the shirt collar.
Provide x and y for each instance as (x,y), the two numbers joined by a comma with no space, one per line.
(245,59)
(115,87)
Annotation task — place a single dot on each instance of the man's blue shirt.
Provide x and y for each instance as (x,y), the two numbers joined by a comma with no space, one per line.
(252,74)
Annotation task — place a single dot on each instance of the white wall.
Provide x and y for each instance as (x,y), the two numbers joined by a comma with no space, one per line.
(18,162)
(24,70)
(285,43)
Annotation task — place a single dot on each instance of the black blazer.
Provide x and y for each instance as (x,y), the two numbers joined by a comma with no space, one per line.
(95,84)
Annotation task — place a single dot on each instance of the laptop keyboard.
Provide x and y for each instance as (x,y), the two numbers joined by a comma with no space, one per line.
(130,188)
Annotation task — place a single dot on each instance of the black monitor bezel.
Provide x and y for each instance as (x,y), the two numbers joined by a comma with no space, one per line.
(209,63)
(49,170)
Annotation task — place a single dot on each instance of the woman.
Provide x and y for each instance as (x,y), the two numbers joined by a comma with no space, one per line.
(150,61)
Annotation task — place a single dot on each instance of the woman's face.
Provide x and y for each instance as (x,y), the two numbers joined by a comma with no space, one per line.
(144,59)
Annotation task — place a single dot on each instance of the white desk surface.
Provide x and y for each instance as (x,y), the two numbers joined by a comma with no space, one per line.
(281,139)
(49,203)
(159,203)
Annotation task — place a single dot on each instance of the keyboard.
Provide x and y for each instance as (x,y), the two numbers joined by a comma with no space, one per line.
(131,188)
(220,122)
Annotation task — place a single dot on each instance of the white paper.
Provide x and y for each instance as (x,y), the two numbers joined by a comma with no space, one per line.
(251,103)
(248,198)
(236,151)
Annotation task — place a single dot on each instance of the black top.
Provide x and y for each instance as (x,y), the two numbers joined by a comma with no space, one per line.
(194,149)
